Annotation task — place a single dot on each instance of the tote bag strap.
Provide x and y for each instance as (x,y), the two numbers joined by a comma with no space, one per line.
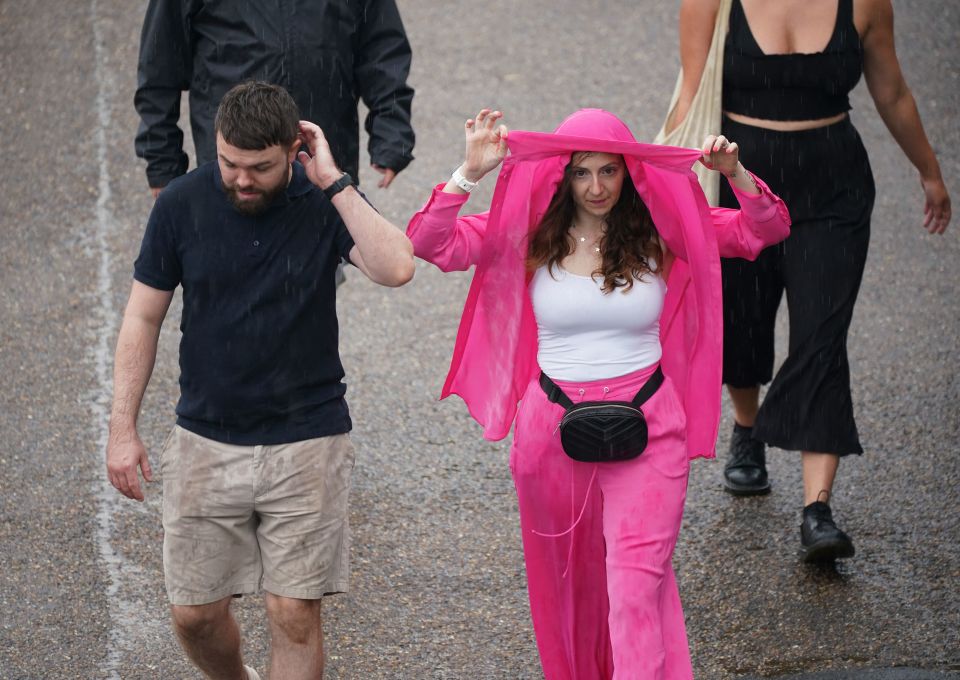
(704,115)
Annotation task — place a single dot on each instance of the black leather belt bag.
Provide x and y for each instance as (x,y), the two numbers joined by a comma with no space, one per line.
(603,431)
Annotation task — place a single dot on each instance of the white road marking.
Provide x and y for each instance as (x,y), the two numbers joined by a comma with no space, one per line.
(130,619)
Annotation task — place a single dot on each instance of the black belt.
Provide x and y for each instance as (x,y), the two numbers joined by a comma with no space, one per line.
(557,396)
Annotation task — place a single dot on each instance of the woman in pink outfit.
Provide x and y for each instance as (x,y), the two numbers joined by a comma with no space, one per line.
(597,267)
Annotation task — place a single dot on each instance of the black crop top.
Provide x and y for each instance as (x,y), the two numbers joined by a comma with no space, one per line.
(793,86)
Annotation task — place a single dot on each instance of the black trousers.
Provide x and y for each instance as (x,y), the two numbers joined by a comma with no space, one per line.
(824,177)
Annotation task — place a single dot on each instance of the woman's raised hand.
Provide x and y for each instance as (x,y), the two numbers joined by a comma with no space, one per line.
(486,144)
(720,154)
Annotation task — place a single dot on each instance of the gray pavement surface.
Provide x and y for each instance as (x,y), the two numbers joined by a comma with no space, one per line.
(438,582)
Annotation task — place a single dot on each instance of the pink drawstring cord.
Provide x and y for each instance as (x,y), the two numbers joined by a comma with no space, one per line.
(583,507)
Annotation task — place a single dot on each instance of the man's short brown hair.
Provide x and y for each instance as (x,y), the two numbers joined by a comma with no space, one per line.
(255,115)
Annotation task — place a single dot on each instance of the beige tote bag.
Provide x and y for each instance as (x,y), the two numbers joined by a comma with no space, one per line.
(703,118)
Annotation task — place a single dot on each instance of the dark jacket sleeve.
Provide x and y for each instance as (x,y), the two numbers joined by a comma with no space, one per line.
(163,72)
(381,68)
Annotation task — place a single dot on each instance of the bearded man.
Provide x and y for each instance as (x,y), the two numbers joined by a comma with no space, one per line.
(256,472)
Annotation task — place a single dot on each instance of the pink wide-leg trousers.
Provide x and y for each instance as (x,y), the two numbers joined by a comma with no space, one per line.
(598,540)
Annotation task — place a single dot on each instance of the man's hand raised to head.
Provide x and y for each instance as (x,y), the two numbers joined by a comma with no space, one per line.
(321,169)
(381,250)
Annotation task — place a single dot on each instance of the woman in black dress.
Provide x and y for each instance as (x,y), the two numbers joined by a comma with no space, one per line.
(788,68)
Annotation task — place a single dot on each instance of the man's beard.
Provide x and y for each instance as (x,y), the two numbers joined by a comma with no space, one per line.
(255,206)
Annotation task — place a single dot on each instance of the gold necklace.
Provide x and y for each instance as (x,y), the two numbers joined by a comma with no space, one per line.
(583,239)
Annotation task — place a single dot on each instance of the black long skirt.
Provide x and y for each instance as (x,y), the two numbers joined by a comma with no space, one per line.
(824,177)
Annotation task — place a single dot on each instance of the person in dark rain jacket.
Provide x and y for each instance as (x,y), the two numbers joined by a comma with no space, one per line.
(327,54)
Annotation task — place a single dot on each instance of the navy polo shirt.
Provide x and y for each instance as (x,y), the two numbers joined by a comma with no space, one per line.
(259,361)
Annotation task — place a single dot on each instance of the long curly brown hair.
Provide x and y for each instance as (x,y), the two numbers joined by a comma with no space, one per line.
(630,237)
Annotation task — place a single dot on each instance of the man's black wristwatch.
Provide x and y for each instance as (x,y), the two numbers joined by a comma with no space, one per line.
(345,181)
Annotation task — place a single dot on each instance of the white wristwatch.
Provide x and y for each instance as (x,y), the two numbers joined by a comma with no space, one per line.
(463,182)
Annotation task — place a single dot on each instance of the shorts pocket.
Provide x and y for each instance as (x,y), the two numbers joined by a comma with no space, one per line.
(165,447)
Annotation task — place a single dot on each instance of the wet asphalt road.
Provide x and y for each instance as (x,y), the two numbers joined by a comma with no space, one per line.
(438,582)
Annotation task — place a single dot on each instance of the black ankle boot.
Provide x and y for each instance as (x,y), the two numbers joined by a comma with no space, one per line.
(820,539)
(745,473)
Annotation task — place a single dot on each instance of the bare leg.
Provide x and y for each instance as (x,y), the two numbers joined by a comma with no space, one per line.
(746,403)
(296,631)
(211,638)
(819,471)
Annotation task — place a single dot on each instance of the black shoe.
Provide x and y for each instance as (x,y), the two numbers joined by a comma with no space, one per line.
(745,473)
(820,539)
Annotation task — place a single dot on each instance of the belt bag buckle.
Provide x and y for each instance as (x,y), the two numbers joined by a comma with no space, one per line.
(603,431)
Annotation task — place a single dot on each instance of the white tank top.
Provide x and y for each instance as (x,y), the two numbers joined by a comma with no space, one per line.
(585,334)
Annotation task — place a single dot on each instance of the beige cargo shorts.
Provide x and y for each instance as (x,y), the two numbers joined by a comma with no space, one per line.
(240,518)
